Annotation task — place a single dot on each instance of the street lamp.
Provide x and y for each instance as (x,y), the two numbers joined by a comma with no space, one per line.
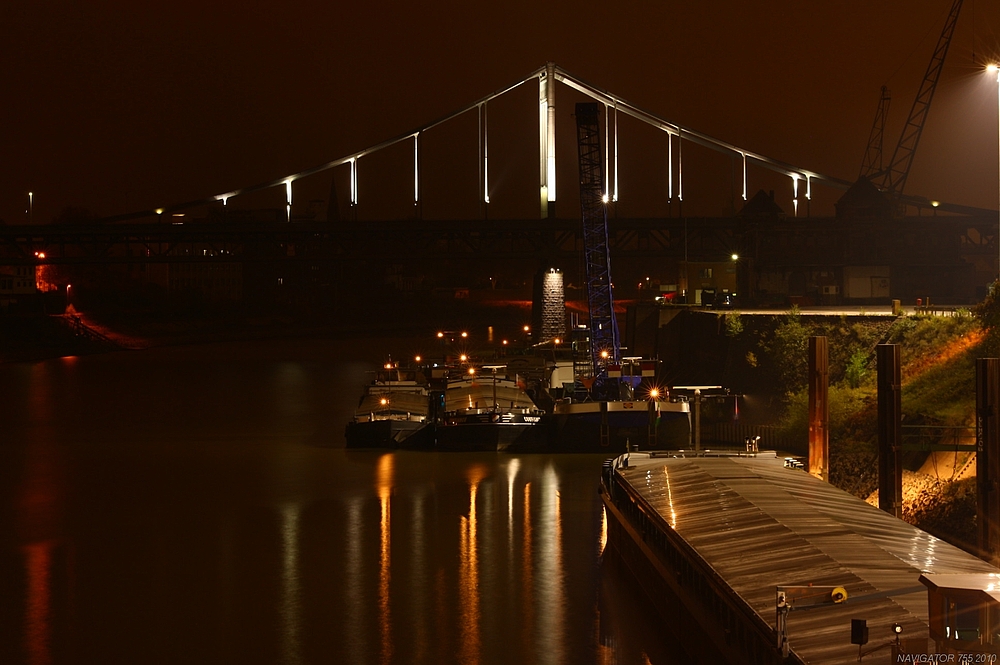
(995,69)
(31,207)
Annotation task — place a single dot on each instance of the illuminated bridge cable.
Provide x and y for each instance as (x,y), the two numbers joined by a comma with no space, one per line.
(670,168)
(615,196)
(555,73)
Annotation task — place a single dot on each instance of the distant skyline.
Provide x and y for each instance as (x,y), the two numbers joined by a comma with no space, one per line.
(114,107)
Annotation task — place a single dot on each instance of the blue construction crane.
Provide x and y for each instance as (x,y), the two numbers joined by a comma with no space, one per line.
(604,340)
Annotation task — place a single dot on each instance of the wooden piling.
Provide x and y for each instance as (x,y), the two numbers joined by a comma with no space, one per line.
(819,408)
(890,459)
(988,457)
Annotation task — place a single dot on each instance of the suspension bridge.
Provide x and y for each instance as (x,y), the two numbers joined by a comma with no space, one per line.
(961,247)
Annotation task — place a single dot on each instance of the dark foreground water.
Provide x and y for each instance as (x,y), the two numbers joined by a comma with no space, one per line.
(195,505)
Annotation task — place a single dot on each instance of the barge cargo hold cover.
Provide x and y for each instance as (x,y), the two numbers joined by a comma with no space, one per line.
(711,539)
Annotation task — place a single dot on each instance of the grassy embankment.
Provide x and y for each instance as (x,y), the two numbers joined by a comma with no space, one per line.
(938,393)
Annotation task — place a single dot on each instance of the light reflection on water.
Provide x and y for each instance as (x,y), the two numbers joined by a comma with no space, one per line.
(184,505)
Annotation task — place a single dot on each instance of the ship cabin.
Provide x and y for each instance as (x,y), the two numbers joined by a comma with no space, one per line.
(964,611)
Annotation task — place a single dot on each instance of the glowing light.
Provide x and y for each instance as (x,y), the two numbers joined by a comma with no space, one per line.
(486,153)
(385,479)
(614,196)
(463,357)
(744,175)
(417,359)
(416,168)
(557,341)
(383,401)
(527,328)
(680,168)
(604,354)
(354,181)
(604,198)
(670,167)
(440,334)
(935,204)
(735,257)
(654,393)
(159,211)
(465,334)
(504,342)
(472,371)
(607,170)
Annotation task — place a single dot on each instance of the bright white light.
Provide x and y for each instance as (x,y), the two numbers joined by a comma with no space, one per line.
(670,167)
(416,169)
(551,189)
(604,198)
(680,168)
(354,181)
(614,196)
(735,257)
(744,176)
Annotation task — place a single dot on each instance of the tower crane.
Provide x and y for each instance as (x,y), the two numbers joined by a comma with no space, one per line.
(892,179)
(604,340)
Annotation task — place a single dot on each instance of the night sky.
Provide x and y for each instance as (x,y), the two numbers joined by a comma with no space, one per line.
(115,107)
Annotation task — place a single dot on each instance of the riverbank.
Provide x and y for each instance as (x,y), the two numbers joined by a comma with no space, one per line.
(39,336)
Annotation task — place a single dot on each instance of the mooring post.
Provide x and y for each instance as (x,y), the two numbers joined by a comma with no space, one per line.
(819,409)
(988,457)
(890,459)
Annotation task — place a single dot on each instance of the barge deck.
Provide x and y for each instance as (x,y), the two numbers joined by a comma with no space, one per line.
(711,539)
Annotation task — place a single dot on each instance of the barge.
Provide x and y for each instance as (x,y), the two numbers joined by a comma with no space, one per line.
(491,413)
(717,543)
(393,411)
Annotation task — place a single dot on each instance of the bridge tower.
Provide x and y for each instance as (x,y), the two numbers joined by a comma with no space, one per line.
(547,139)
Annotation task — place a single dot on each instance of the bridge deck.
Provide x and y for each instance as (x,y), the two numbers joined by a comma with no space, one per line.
(756,525)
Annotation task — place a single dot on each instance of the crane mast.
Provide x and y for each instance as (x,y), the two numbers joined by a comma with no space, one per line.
(604,340)
(893,178)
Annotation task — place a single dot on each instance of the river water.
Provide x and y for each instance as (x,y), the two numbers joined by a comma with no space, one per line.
(196,505)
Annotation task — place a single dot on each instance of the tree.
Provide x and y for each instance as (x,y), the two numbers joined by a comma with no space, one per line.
(988,314)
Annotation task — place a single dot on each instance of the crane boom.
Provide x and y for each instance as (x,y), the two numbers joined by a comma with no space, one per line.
(893,179)
(871,165)
(604,341)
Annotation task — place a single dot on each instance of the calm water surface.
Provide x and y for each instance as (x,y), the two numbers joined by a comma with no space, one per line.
(195,505)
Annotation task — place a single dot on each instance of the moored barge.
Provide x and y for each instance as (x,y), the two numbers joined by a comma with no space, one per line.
(713,540)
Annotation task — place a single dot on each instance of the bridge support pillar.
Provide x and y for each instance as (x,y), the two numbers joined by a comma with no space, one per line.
(819,409)
(547,139)
(988,457)
(890,459)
